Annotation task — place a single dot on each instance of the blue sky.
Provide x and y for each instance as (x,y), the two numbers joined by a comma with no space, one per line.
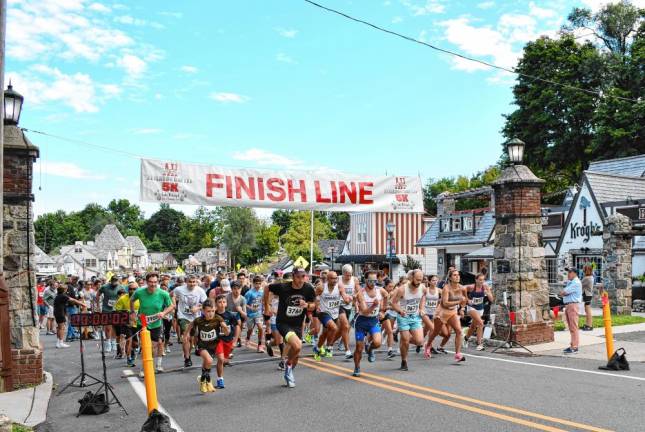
(262,83)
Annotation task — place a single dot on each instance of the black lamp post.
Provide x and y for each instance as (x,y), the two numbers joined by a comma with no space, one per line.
(515,148)
(390,227)
(12,105)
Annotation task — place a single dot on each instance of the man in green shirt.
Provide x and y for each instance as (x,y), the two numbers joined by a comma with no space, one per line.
(154,303)
(110,294)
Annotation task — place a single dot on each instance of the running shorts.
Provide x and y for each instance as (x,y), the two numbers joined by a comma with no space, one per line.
(345,311)
(211,351)
(60,319)
(408,323)
(224,347)
(480,312)
(156,334)
(325,317)
(183,325)
(364,326)
(251,322)
(284,329)
(587,299)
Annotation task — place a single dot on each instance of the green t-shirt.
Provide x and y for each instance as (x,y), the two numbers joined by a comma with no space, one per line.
(151,304)
(110,296)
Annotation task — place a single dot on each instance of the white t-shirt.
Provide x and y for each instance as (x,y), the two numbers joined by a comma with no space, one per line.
(187,299)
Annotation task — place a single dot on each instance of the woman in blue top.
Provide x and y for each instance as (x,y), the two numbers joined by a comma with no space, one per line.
(475,309)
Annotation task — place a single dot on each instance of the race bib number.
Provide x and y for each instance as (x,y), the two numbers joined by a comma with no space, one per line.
(333,304)
(432,304)
(411,308)
(187,310)
(294,311)
(111,303)
(207,336)
(478,300)
(152,318)
(375,312)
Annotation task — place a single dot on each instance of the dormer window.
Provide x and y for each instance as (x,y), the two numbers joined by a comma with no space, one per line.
(456,224)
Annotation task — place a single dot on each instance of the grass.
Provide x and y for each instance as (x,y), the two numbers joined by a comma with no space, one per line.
(20,428)
(616,320)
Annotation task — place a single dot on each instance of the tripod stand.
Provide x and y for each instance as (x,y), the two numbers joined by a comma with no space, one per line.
(510,341)
(83,376)
(105,387)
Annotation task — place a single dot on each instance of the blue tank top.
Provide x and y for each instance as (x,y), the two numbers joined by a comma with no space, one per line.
(477,298)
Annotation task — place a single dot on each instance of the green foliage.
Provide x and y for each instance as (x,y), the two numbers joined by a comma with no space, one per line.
(240,228)
(339,222)
(459,184)
(411,264)
(162,229)
(282,218)
(267,241)
(616,320)
(296,240)
(198,232)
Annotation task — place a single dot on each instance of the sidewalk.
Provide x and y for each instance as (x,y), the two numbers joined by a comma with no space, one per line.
(28,406)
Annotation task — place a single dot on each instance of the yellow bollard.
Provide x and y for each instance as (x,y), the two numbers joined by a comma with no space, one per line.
(148,370)
(606,317)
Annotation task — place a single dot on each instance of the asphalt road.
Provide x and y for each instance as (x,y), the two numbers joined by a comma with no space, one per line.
(489,392)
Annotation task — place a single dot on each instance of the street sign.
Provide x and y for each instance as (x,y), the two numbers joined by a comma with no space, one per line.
(301,262)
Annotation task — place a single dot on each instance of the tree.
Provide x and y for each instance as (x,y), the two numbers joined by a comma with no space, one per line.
(128,217)
(164,226)
(240,228)
(296,240)
(282,218)
(198,232)
(339,222)
(266,242)
(411,264)
(93,218)
(53,230)
(459,184)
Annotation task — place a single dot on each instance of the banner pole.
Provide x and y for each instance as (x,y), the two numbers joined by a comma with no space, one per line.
(311,246)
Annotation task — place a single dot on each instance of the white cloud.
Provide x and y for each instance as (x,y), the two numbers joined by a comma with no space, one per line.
(517,27)
(284,58)
(420,8)
(98,7)
(132,64)
(65,169)
(172,14)
(396,20)
(263,157)
(486,5)
(158,96)
(189,69)
(596,5)
(225,97)
(539,12)
(147,131)
(288,33)
(129,20)
(110,89)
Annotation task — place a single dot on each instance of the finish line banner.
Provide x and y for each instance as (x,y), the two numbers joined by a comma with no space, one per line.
(182,183)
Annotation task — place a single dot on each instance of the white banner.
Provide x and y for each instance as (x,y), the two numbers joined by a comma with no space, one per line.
(182,183)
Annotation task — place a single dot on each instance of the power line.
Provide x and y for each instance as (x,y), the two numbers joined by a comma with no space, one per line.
(462,56)
(85,143)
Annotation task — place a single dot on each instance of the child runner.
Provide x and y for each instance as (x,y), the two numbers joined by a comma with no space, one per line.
(225,342)
(253,299)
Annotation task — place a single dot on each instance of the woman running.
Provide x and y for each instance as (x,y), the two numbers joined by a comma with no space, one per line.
(453,296)
(476,294)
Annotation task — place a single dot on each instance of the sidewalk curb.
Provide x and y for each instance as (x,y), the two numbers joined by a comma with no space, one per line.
(28,406)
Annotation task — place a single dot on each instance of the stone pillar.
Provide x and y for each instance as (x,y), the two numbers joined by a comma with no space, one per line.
(617,272)
(519,256)
(19,259)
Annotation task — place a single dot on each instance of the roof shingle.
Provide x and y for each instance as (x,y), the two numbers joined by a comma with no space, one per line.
(612,188)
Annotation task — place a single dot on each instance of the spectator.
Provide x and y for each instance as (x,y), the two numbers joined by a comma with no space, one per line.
(572,297)
(587,296)
(42,307)
(48,298)
(61,304)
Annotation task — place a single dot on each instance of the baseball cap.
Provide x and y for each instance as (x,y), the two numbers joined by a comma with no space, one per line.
(298,270)
(131,279)
(114,279)
(571,269)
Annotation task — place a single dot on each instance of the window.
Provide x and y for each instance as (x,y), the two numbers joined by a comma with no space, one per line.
(552,270)
(361,235)
(456,224)
(595,261)
(90,262)
(445,225)
(468,223)
(78,249)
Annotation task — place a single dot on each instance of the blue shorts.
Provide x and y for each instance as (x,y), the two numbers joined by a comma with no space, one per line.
(408,323)
(274,327)
(366,325)
(42,309)
(324,318)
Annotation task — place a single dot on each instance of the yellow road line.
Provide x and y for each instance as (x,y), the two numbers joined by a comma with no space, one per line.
(457,405)
(472,400)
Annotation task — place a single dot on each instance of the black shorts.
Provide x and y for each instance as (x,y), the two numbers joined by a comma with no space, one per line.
(343,311)
(587,299)
(211,351)
(283,329)
(124,330)
(156,334)
(60,319)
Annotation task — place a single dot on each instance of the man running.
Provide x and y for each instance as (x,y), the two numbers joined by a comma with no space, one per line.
(155,304)
(350,285)
(328,305)
(189,299)
(110,294)
(295,299)
(371,303)
(409,302)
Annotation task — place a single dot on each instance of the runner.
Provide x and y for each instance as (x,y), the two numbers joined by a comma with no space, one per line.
(155,304)
(387,322)
(328,306)
(295,298)
(371,303)
(127,331)
(189,299)
(109,293)
(452,296)
(236,303)
(225,343)
(409,303)
(350,285)
(207,329)
(253,299)
(476,294)
(275,337)
(167,319)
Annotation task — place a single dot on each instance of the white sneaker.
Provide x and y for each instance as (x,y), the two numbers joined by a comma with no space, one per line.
(159,369)
(167,349)
(107,347)
(141,374)
(62,345)
(480,347)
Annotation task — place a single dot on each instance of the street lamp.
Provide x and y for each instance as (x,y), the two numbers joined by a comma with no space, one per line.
(390,227)
(515,148)
(331,251)
(12,105)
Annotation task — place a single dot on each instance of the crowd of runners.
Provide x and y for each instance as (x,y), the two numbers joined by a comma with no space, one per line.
(211,316)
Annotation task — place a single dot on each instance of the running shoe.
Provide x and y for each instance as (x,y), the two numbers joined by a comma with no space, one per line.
(281,365)
(348,355)
(570,351)
(441,350)
(188,362)
(131,362)
(119,356)
(480,347)
(418,349)
(167,349)
(427,352)
(261,348)
(220,383)
(288,376)
(586,328)
(459,357)
(391,354)
(308,338)
(404,366)
(209,387)
(323,351)
(329,352)
(371,356)
(203,386)
(433,351)
(62,345)
(357,372)
(159,369)
(239,343)
(141,374)
(269,350)
(316,353)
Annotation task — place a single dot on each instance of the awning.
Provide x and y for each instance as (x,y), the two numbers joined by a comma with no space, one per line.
(364,259)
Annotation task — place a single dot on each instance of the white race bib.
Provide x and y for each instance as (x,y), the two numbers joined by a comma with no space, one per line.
(152,318)
(111,303)
(207,336)
(411,308)
(478,300)
(294,311)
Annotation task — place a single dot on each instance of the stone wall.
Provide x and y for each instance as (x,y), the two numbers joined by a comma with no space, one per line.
(19,259)
(617,271)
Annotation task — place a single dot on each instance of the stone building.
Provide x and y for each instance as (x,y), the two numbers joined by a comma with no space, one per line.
(25,367)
